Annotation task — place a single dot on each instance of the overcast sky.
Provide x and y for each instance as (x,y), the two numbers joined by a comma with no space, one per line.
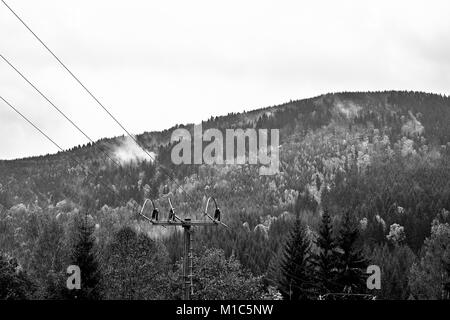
(159,63)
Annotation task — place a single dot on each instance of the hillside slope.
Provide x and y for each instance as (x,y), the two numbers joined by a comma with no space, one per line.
(382,155)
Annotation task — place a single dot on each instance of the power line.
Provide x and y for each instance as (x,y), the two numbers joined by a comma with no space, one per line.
(93,96)
(57,109)
(53,142)
(31,123)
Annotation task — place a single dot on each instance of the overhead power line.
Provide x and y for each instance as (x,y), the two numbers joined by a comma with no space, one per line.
(31,123)
(58,109)
(93,96)
(54,143)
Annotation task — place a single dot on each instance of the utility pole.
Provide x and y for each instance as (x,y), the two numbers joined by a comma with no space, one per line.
(187,224)
(187,259)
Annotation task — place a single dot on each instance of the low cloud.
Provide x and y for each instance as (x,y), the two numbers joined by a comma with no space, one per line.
(129,152)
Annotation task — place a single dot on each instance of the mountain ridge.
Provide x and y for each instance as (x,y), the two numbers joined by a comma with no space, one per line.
(155,138)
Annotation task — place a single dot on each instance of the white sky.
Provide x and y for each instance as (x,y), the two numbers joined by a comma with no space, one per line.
(159,63)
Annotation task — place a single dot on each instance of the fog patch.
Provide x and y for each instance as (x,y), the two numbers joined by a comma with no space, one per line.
(349,109)
(129,152)
(412,127)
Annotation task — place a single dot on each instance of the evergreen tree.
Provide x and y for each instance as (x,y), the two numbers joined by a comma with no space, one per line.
(85,258)
(274,274)
(297,276)
(326,260)
(352,264)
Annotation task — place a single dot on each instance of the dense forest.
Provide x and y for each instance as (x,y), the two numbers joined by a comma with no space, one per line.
(364,180)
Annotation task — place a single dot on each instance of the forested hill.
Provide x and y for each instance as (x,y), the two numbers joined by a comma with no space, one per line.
(384,156)
(418,118)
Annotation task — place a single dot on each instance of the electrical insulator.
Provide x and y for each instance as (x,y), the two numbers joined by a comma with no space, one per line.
(155,214)
(217,214)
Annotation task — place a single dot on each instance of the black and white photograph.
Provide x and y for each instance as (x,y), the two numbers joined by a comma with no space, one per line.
(195,153)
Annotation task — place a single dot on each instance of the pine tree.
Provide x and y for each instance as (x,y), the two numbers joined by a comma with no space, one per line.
(351,262)
(326,260)
(297,276)
(85,258)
